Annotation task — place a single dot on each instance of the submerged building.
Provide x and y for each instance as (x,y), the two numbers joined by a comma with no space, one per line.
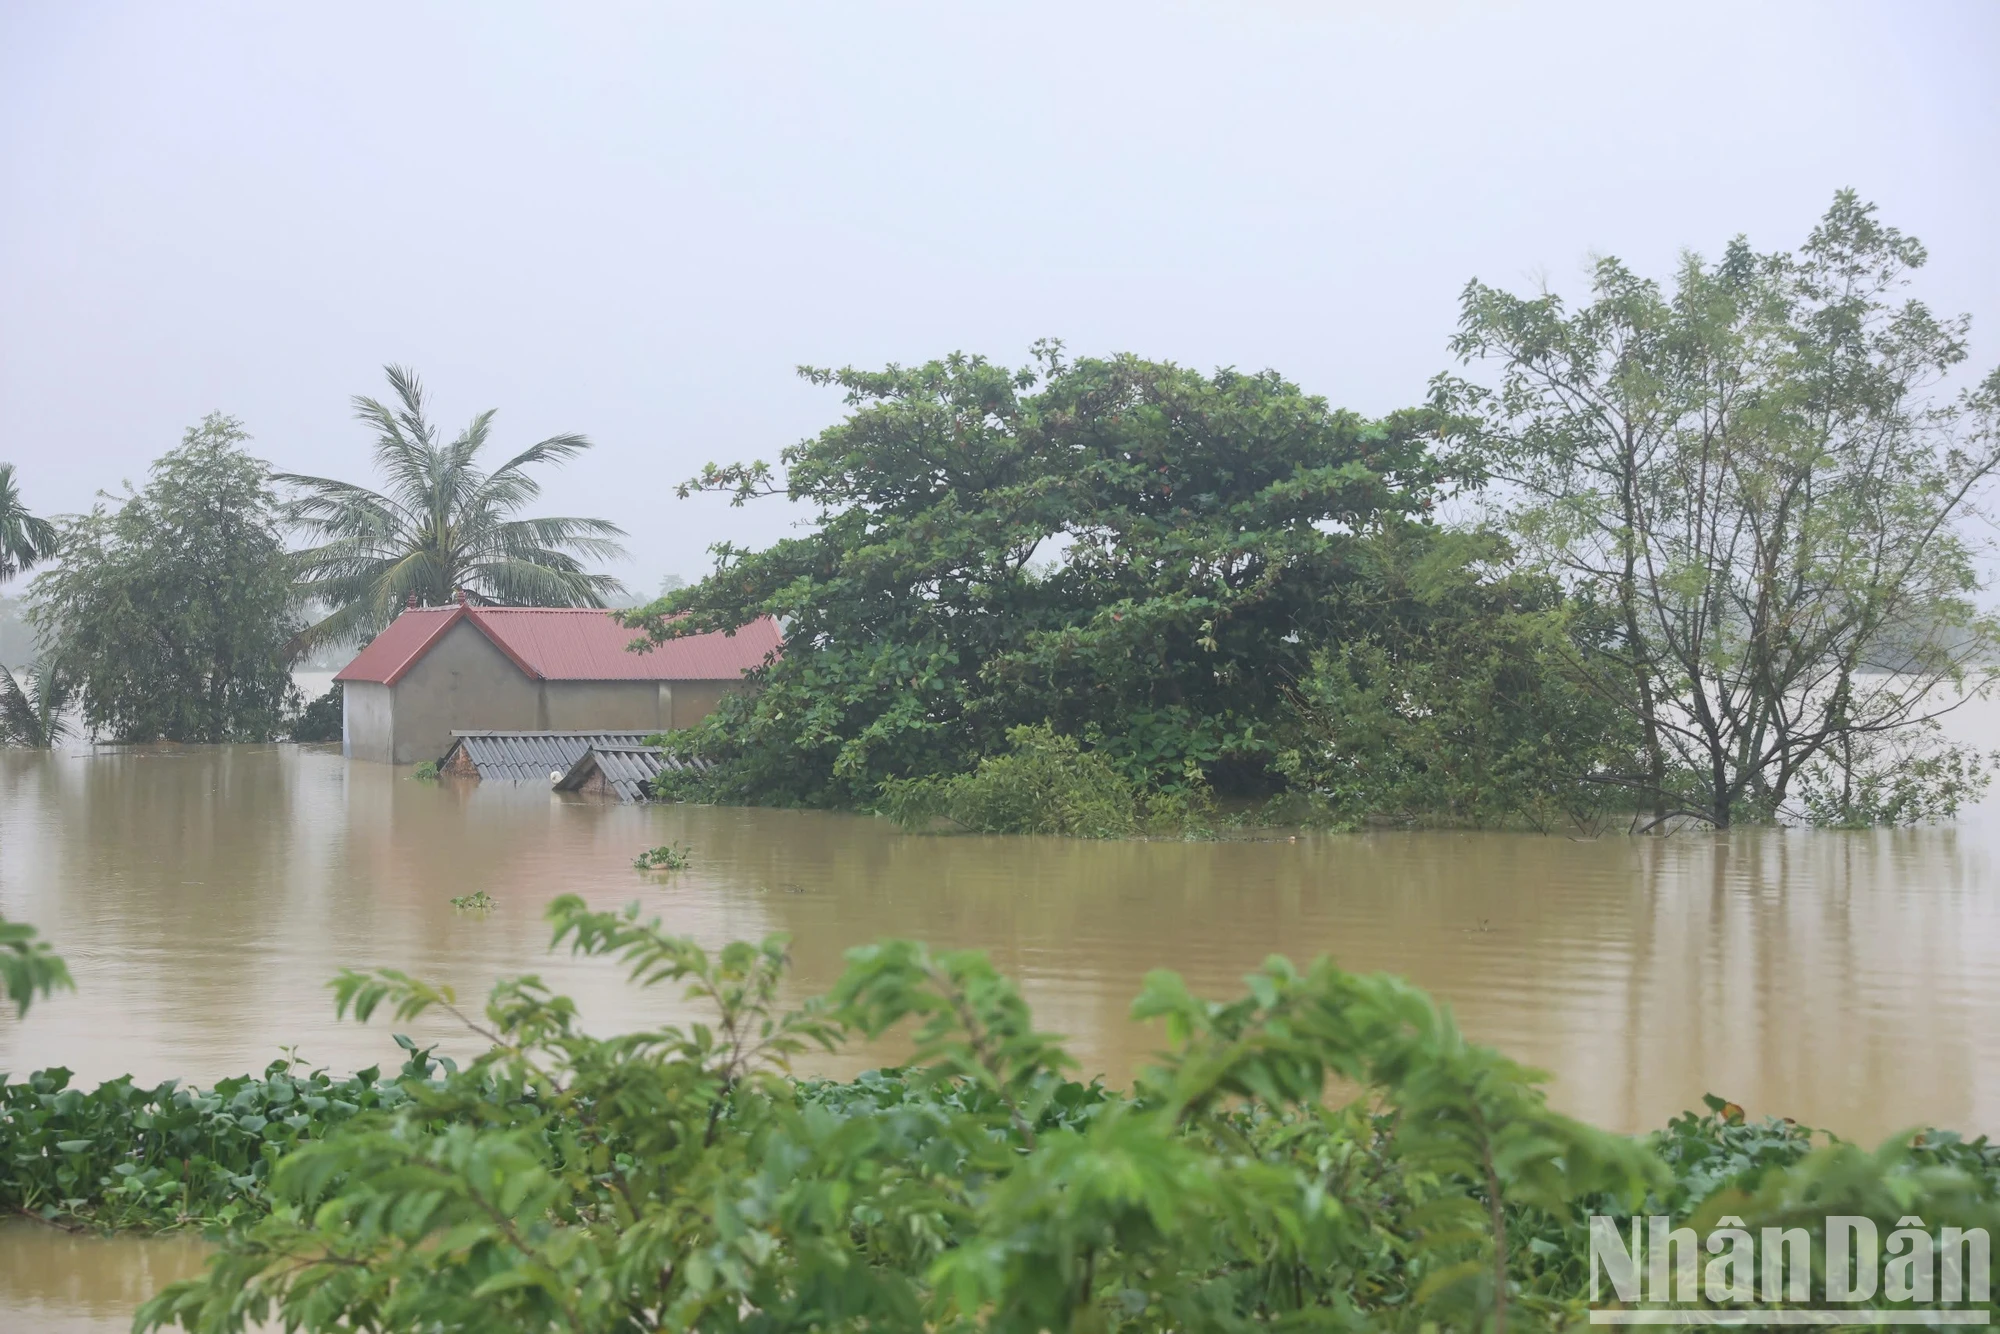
(436,671)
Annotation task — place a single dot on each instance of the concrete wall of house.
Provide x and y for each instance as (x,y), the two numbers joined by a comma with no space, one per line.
(367,722)
(464,683)
(606,706)
(693,701)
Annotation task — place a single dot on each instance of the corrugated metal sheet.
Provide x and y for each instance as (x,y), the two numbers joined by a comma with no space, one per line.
(566,644)
(625,769)
(522,757)
(401,643)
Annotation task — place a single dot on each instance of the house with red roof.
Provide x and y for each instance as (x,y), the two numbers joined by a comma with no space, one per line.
(439,670)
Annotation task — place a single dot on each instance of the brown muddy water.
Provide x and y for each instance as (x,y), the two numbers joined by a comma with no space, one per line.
(204,896)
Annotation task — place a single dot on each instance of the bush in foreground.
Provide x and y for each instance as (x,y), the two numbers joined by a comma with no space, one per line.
(681,1178)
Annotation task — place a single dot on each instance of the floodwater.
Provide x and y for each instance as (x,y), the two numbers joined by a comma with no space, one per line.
(203,896)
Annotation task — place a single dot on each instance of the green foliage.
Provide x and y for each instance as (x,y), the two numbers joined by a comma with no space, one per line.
(680,1178)
(440,526)
(32,706)
(1183,810)
(677,1178)
(1460,701)
(25,540)
(1911,777)
(1756,473)
(125,1156)
(321,720)
(667,857)
(28,967)
(426,772)
(477,901)
(1046,784)
(173,614)
(1777,1173)
(1136,554)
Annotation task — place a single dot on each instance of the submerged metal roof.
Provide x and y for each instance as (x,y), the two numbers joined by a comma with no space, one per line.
(520,757)
(626,768)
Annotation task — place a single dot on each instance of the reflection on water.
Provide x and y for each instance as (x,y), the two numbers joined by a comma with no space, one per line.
(203,896)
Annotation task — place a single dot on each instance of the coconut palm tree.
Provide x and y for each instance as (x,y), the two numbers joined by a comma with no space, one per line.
(32,706)
(24,539)
(440,527)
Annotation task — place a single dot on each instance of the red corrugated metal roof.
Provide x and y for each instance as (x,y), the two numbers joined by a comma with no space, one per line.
(566,644)
(406,639)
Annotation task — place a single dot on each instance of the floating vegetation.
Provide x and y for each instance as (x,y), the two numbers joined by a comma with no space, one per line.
(667,857)
(427,770)
(478,901)
(172,1155)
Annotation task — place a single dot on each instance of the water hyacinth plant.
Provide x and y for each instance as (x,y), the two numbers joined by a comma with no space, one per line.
(123,1155)
(666,857)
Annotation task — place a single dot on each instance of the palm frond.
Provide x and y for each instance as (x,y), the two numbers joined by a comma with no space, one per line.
(32,710)
(509,487)
(536,539)
(340,508)
(25,540)
(523,583)
(410,392)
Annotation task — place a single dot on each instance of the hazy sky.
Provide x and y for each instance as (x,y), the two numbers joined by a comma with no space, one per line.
(635,220)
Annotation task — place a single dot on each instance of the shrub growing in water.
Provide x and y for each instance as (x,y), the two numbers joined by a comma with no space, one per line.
(666,857)
(320,720)
(1047,784)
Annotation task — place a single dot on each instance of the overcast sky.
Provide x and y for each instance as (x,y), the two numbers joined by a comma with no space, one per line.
(634,221)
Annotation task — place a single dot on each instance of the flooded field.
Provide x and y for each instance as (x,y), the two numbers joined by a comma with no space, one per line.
(204,896)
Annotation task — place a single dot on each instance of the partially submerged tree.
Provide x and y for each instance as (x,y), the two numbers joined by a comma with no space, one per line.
(25,540)
(172,614)
(1140,555)
(1454,698)
(1758,472)
(440,525)
(32,705)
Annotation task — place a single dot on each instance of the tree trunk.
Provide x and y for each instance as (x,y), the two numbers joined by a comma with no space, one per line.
(1628,596)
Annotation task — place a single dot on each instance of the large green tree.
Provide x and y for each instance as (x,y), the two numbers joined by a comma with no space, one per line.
(441,525)
(1454,697)
(24,539)
(1138,554)
(172,612)
(1758,471)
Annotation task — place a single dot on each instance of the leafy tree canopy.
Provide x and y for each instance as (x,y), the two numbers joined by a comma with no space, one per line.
(1135,553)
(172,613)
(1455,698)
(1761,471)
